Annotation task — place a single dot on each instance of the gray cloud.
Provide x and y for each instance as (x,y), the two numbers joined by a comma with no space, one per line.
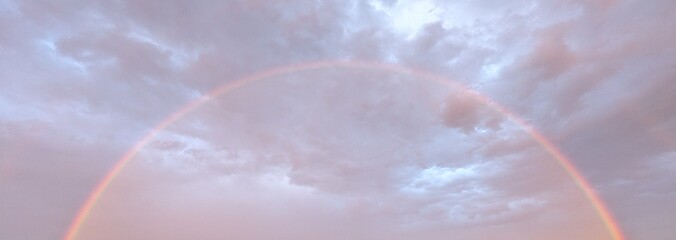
(337,152)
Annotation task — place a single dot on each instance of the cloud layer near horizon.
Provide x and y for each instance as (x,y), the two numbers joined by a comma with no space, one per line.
(337,152)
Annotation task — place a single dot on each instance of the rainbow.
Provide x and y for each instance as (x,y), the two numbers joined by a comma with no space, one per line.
(585,187)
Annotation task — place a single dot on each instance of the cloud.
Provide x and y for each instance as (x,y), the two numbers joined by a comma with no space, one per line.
(344,166)
(336,152)
(467,112)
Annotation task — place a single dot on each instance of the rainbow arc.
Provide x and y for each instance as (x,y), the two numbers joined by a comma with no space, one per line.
(585,187)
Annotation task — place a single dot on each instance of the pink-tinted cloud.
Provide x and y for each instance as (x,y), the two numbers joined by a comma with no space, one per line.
(337,152)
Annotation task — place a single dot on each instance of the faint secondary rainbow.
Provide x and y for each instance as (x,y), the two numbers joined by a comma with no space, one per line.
(586,188)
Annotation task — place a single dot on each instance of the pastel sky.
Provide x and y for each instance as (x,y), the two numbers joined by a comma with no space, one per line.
(397,120)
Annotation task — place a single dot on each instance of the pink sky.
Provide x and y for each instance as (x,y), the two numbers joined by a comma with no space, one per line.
(352,150)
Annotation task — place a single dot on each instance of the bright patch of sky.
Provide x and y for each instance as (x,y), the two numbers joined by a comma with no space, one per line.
(407,17)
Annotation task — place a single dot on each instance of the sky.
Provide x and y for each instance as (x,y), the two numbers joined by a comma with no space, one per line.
(345,119)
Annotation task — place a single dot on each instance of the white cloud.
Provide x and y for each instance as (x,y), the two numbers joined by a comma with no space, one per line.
(434,177)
